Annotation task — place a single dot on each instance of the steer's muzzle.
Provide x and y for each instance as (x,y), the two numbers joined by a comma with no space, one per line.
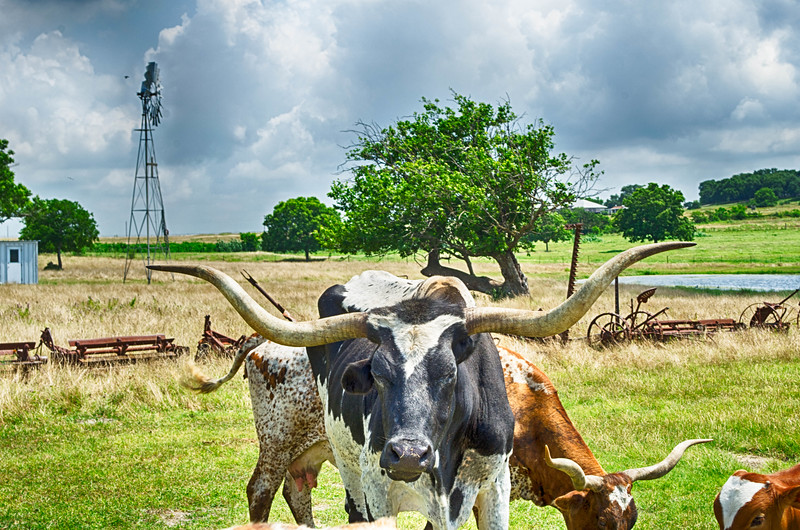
(405,459)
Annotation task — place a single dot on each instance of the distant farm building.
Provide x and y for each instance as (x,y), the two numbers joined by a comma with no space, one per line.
(589,206)
(19,262)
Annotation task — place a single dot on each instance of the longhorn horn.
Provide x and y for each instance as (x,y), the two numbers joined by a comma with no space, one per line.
(538,324)
(580,480)
(309,333)
(666,465)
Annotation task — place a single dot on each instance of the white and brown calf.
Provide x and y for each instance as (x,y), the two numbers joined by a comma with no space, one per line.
(289,423)
(760,502)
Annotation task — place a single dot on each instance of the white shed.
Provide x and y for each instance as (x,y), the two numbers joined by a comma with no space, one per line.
(19,262)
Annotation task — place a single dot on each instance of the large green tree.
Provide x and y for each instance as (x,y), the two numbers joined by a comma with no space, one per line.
(466,181)
(60,225)
(13,196)
(654,213)
(551,227)
(295,225)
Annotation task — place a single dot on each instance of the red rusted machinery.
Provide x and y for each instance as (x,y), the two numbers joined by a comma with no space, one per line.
(767,315)
(612,328)
(113,350)
(20,355)
(215,342)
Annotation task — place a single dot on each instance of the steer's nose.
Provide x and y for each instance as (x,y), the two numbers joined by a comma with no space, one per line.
(406,459)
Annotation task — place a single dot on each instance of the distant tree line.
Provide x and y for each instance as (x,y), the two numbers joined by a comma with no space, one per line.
(247,242)
(784,183)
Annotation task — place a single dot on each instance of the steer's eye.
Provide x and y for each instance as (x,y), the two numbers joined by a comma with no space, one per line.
(461,345)
(758,520)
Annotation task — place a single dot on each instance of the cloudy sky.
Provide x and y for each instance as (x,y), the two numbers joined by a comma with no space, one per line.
(259,96)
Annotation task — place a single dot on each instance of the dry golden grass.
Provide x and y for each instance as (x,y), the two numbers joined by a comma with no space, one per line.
(88,299)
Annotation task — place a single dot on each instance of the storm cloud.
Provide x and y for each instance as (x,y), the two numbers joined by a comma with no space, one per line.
(259,96)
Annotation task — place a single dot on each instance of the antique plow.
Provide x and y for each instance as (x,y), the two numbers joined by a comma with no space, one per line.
(773,316)
(612,328)
(213,342)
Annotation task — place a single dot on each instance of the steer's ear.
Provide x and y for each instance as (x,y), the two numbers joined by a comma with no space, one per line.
(792,497)
(357,377)
(569,502)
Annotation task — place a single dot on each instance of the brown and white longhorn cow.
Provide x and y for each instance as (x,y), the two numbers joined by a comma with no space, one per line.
(760,502)
(289,422)
(574,482)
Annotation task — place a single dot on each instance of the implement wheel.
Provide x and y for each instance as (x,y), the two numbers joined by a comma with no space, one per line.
(607,329)
(767,316)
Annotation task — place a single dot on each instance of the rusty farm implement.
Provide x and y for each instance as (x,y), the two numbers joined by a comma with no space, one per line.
(611,328)
(774,316)
(20,355)
(112,350)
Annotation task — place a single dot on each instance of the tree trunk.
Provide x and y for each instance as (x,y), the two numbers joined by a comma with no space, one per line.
(58,253)
(469,265)
(308,257)
(481,284)
(515,284)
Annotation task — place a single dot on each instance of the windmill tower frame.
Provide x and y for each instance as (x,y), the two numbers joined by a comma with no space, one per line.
(147,228)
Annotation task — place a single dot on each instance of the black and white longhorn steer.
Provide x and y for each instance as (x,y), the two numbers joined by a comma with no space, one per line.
(416,410)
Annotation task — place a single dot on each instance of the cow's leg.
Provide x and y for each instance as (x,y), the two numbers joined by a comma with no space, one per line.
(281,392)
(353,514)
(299,501)
(492,502)
(264,483)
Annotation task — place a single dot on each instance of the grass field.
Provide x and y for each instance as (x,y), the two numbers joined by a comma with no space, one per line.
(129,448)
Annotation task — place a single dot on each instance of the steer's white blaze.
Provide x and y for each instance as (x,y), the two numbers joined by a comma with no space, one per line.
(734,495)
(414,341)
(621,496)
(372,289)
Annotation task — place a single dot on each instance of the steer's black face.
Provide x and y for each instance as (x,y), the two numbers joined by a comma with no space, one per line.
(414,370)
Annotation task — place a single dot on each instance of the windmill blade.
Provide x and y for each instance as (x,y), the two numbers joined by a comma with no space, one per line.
(151,77)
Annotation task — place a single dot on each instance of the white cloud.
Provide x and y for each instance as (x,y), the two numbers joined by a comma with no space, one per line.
(258,95)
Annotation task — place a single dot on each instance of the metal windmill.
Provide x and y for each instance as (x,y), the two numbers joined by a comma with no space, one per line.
(147,219)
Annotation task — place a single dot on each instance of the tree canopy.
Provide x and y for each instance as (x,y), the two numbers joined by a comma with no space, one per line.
(551,227)
(785,183)
(654,213)
(13,196)
(624,193)
(295,225)
(466,181)
(59,225)
(765,197)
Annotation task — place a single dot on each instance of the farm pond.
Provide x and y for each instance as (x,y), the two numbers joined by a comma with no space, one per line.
(752,282)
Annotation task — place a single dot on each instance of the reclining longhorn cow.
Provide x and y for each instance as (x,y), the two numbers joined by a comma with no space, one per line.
(415,407)
(760,502)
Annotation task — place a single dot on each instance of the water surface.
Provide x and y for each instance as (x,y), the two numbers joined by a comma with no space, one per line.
(752,282)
